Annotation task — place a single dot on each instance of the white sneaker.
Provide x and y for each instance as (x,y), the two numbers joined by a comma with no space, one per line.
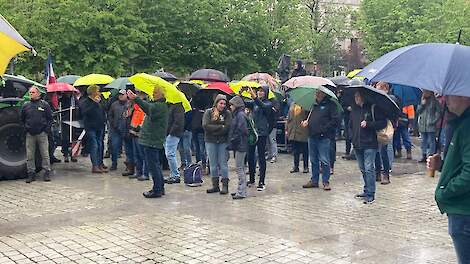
(260,188)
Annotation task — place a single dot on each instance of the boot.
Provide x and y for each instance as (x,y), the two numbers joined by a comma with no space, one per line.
(385,179)
(378,176)
(130,169)
(310,184)
(96,169)
(224,186)
(215,185)
(31,177)
(408,154)
(47,176)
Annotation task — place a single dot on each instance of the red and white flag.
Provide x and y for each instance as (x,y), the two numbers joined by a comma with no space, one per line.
(49,73)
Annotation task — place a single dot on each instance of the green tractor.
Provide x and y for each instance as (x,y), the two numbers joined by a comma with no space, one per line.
(13,93)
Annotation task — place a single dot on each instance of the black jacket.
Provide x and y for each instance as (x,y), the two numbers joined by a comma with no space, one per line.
(261,114)
(36,117)
(324,119)
(175,120)
(238,135)
(93,114)
(366,138)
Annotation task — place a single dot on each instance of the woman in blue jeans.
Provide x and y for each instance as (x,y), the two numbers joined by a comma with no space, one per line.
(216,123)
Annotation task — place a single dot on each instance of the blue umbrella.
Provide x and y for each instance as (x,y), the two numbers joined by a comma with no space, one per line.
(408,95)
(439,67)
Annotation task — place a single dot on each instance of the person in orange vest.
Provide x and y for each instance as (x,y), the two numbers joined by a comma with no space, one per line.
(402,133)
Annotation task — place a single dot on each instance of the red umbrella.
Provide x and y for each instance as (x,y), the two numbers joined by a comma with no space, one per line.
(60,87)
(221,86)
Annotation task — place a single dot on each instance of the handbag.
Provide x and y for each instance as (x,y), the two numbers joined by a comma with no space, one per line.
(385,135)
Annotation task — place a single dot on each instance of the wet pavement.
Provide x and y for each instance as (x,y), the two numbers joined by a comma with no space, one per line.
(83,218)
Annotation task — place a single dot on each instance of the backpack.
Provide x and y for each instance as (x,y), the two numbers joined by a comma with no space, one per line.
(384,136)
(252,134)
(193,175)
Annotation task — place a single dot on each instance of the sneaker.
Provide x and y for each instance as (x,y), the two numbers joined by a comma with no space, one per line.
(260,187)
(238,197)
(152,194)
(143,178)
(369,200)
(175,180)
(360,196)
(326,187)
(305,170)
(66,159)
(273,160)
(250,184)
(73,159)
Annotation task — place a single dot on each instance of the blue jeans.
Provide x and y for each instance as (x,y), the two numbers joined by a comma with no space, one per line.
(428,143)
(95,144)
(217,153)
(171,145)
(129,148)
(366,160)
(139,158)
(459,231)
(382,159)
(185,148)
(155,169)
(390,155)
(319,152)
(401,133)
(200,146)
(116,146)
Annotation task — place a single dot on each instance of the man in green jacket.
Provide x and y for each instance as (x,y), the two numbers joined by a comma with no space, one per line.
(152,137)
(453,190)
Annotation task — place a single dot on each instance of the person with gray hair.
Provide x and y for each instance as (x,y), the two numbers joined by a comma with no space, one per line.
(36,116)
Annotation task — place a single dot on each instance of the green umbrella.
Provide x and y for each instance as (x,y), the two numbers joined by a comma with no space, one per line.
(305,96)
(118,84)
(70,79)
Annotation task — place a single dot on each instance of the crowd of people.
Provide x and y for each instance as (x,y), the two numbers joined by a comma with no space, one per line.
(151,132)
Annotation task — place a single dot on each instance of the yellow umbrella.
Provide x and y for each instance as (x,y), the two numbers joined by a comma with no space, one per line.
(200,82)
(237,86)
(147,83)
(90,79)
(11,43)
(353,73)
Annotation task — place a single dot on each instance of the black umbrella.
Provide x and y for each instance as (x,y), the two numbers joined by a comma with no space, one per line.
(165,76)
(374,96)
(210,75)
(189,88)
(340,80)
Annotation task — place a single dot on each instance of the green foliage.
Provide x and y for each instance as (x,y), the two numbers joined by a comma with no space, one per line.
(121,37)
(390,24)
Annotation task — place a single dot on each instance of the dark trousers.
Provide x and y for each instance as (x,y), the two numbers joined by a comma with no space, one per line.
(153,161)
(460,234)
(261,146)
(347,135)
(116,145)
(298,148)
(332,152)
(382,161)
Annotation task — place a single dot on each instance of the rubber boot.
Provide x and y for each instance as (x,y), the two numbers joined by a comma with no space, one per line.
(31,177)
(408,154)
(130,170)
(224,186)
(215,185)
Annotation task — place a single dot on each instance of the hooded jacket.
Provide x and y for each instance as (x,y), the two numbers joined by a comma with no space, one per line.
(216,131)
(155,123)
(366,138)
(262,111)
(175,120)
(238,135)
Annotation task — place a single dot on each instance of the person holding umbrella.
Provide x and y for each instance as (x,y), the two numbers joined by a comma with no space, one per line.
(364,123)
(453,189)
(322,121)
(152,136)
(298,136)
